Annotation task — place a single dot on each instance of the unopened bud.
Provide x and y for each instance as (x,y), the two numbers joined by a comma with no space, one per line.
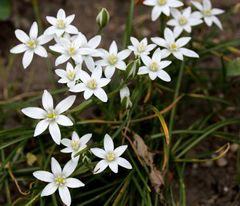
(103,18)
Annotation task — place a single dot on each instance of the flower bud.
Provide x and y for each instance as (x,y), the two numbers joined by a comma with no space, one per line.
(125,97)
(103,18)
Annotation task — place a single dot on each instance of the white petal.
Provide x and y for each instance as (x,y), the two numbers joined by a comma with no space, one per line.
(164,64)
(89,63)
(61,59)
(49,189)
(85,139)
(70,167)
(156,11)
(64,121)
(197,5)
(217,22)
(152,75)
(71,29)
(183,41)
(157,55)
(124,54)
(47,101)
(113,166)
(41,51)
(95,41)
(146,60)
(27,58)
(143,70)
(164,76)
(217,11)
(55,167)
(189,53)
(168,35)
(84,76)
(51,20)
(74,183)
(113,48)
(124,163)
(44,176)
(97,73)
(165,53)
(108,143)
(65,195)
(66,150)
(101,94)
(103,82)
(69,19)
(33,30)
(87,94)
(102,165)
(61,14)
(65,104)
(55,132)
(21,36)
(78,88)
(109,71)
(41,127)
(66,142)
(19,49)
(121,65)
(178,55)
(50,31)
(159,41)
(120,150)
(34,112)
(98,152)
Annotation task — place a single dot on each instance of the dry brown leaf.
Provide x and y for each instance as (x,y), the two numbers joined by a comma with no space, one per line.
(156,179)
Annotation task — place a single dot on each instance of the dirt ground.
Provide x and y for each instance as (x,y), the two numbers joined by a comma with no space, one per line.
(207,185)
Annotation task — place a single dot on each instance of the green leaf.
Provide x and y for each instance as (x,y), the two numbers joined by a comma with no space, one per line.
(5,9)
(233,67)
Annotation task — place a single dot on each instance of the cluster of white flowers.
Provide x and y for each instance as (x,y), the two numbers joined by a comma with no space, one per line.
(90,68)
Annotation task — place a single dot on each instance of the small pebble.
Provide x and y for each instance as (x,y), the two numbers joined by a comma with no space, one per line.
(222,162)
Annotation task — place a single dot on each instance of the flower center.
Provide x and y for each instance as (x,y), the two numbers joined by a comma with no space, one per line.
(92,84)
(71,51)
(52,116)
(207,12)
(162,2)
(153,66)
(71,75)
(60,24)
(173,46)
(112,59)
(75,144)
(60,180)
(182,20)
(141,48)
(32,44)
(110,156)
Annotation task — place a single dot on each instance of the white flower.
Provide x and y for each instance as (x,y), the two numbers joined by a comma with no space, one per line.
(61,24)
(113,59)
(162,6)
(75,145)
(50,116)
(69,47)
(173,46)
(59,179)
(111,157)
(125,95)
(141,48)
(68,76)
(208,13)
(183,21)
(30,44)
(92,85)
(91,45)
(154,67)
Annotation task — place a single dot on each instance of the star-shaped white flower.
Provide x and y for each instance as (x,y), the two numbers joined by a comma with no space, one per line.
(92,85)
(141,48)
(111,157)
(68,76)
(154,67)
(162,6)
(113,59)
(76,144)
(69,47)
(91,45)
(50,117)
(61,24)
(59,180)
(30,44)
(208,13)
(173,46)
(184,21)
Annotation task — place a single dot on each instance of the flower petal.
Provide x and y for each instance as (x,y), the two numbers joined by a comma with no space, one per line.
(102,165)
(41,127)
(113,48)
(64,121)
(55,132)
(98,152)
(41,51)
(34,112)
(33,30)
(85,139)
(69,167)
(124,163)
(27,58)
(49,189)
(44,176)
(55,167)
(47,101)
(74,183)
(120,150)
(65,104)
(21,36)
(65,195)
(19,49)
(108,143)
(101,94)
(113,166)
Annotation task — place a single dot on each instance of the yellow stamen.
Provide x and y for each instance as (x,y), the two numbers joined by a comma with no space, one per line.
(71,75)
(207,12)
(51,116)
(162,2)
(173,47)
(182,20)
(112,59)
(110,156)
(141,48)
(32,44)
(92,84)
(60,180)
(71,51)
(153,66)
(60,24)
(75,144)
